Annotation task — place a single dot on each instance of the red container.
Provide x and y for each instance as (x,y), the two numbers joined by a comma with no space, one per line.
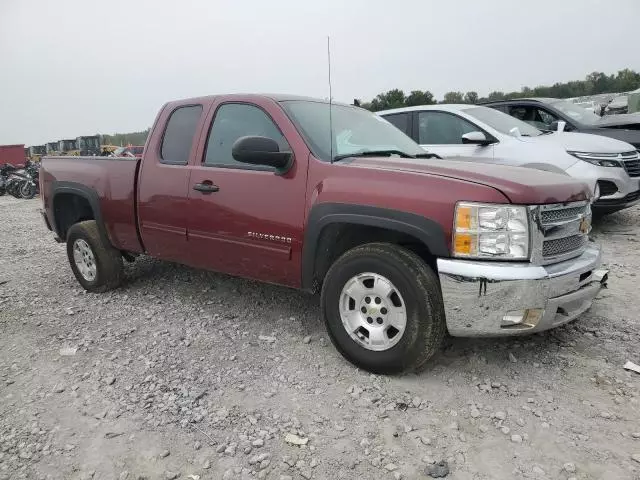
(13,154)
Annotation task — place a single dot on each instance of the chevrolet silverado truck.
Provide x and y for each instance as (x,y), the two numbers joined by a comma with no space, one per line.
(331,198)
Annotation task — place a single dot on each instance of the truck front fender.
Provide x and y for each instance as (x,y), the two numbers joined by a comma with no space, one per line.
(317,248)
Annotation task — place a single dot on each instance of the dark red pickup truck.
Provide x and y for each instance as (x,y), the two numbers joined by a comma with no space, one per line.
(403,248)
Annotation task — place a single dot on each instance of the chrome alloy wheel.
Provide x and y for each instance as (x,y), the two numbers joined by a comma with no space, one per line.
(85,260)
(373,312)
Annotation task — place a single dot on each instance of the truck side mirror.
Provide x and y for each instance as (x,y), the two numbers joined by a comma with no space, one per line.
(261,151)
(475,138)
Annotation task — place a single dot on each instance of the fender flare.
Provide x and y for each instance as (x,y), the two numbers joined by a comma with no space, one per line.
(428,231)
(89,194)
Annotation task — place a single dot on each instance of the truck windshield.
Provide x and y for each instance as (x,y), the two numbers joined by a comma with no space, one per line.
(353,130)
(501,121)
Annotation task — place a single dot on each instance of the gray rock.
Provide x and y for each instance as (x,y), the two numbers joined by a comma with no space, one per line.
(500,415)
(474,412)
(197,446)
(58,389)
(636,457)
(165,454)
(109,380)
(516,438)
(168,475)
(438,470)
(306,339)
(569,467)
(390,467)
(512,358)
(258,442)
(123,475)
(206,464)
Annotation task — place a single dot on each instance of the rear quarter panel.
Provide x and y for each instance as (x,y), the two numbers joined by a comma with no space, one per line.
(111,179)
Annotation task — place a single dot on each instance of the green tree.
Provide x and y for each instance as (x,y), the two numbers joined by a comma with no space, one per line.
(392,99)
(418,97)
(493,96)
(471,97)
(453,97)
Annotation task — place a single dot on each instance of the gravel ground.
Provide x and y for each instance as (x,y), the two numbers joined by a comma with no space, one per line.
(194,375)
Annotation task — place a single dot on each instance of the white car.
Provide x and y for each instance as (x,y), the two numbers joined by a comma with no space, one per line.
(482,133)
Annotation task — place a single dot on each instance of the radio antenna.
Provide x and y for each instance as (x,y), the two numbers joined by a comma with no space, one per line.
(330,100)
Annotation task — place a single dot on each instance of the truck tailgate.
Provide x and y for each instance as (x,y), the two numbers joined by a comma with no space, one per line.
(111,184)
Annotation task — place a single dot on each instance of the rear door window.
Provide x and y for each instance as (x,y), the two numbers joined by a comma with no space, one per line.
(401,121)
(179,133)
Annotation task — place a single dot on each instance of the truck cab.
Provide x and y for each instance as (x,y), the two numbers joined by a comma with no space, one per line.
(332,199)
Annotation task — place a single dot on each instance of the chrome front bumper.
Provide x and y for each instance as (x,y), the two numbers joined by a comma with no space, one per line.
(479,296)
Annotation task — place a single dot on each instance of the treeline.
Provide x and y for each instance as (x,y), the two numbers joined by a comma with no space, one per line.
(124,139)
(594,83)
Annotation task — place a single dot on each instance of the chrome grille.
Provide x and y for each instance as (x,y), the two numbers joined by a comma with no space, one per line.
(560,246)
(551,216)
(633,168)
(560,234)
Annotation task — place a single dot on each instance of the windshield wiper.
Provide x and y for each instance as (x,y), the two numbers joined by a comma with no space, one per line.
(375,153)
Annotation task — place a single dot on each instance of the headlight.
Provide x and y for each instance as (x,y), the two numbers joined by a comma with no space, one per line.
(491,231)
(599,159)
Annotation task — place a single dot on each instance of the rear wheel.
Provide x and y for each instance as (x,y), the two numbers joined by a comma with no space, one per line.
(96,265)
(383,308)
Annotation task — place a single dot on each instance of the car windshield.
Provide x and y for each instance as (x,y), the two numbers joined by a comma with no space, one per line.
(501,121)
(353,130)
(576,112)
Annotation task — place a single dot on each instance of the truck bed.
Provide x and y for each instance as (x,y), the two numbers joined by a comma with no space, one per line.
(108,182)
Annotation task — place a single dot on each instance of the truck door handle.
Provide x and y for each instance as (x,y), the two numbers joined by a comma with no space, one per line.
(206,187)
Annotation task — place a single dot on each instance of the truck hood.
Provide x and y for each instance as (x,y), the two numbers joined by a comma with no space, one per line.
(582,142)
(625,120)
(522,186)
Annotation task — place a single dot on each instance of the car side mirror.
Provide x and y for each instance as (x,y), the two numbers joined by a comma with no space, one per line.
(265,151)
(475,138)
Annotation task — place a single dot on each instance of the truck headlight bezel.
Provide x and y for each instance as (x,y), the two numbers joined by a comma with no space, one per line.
(491,231)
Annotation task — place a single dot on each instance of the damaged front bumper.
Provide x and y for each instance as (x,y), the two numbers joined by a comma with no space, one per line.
(502,298)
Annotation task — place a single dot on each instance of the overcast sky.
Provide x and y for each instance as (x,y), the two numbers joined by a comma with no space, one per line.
(79,67)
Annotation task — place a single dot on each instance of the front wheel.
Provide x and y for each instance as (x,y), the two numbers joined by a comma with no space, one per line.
(383,308)
(28,190)
(96,264)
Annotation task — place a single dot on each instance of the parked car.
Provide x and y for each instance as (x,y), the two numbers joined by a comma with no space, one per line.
(610,167)
(547,113)
(401,248)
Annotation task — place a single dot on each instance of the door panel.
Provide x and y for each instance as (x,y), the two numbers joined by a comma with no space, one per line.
(252,225)
(164,183)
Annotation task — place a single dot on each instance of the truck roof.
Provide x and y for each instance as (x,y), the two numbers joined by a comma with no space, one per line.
(276,97)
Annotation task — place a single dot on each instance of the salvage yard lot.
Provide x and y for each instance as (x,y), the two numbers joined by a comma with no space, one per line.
(183,372)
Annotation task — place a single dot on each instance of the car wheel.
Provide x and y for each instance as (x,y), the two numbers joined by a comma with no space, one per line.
(383,308)
(96,265)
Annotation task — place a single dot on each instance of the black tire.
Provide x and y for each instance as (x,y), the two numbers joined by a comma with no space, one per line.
(28,190)
(419,287)
(108,260)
